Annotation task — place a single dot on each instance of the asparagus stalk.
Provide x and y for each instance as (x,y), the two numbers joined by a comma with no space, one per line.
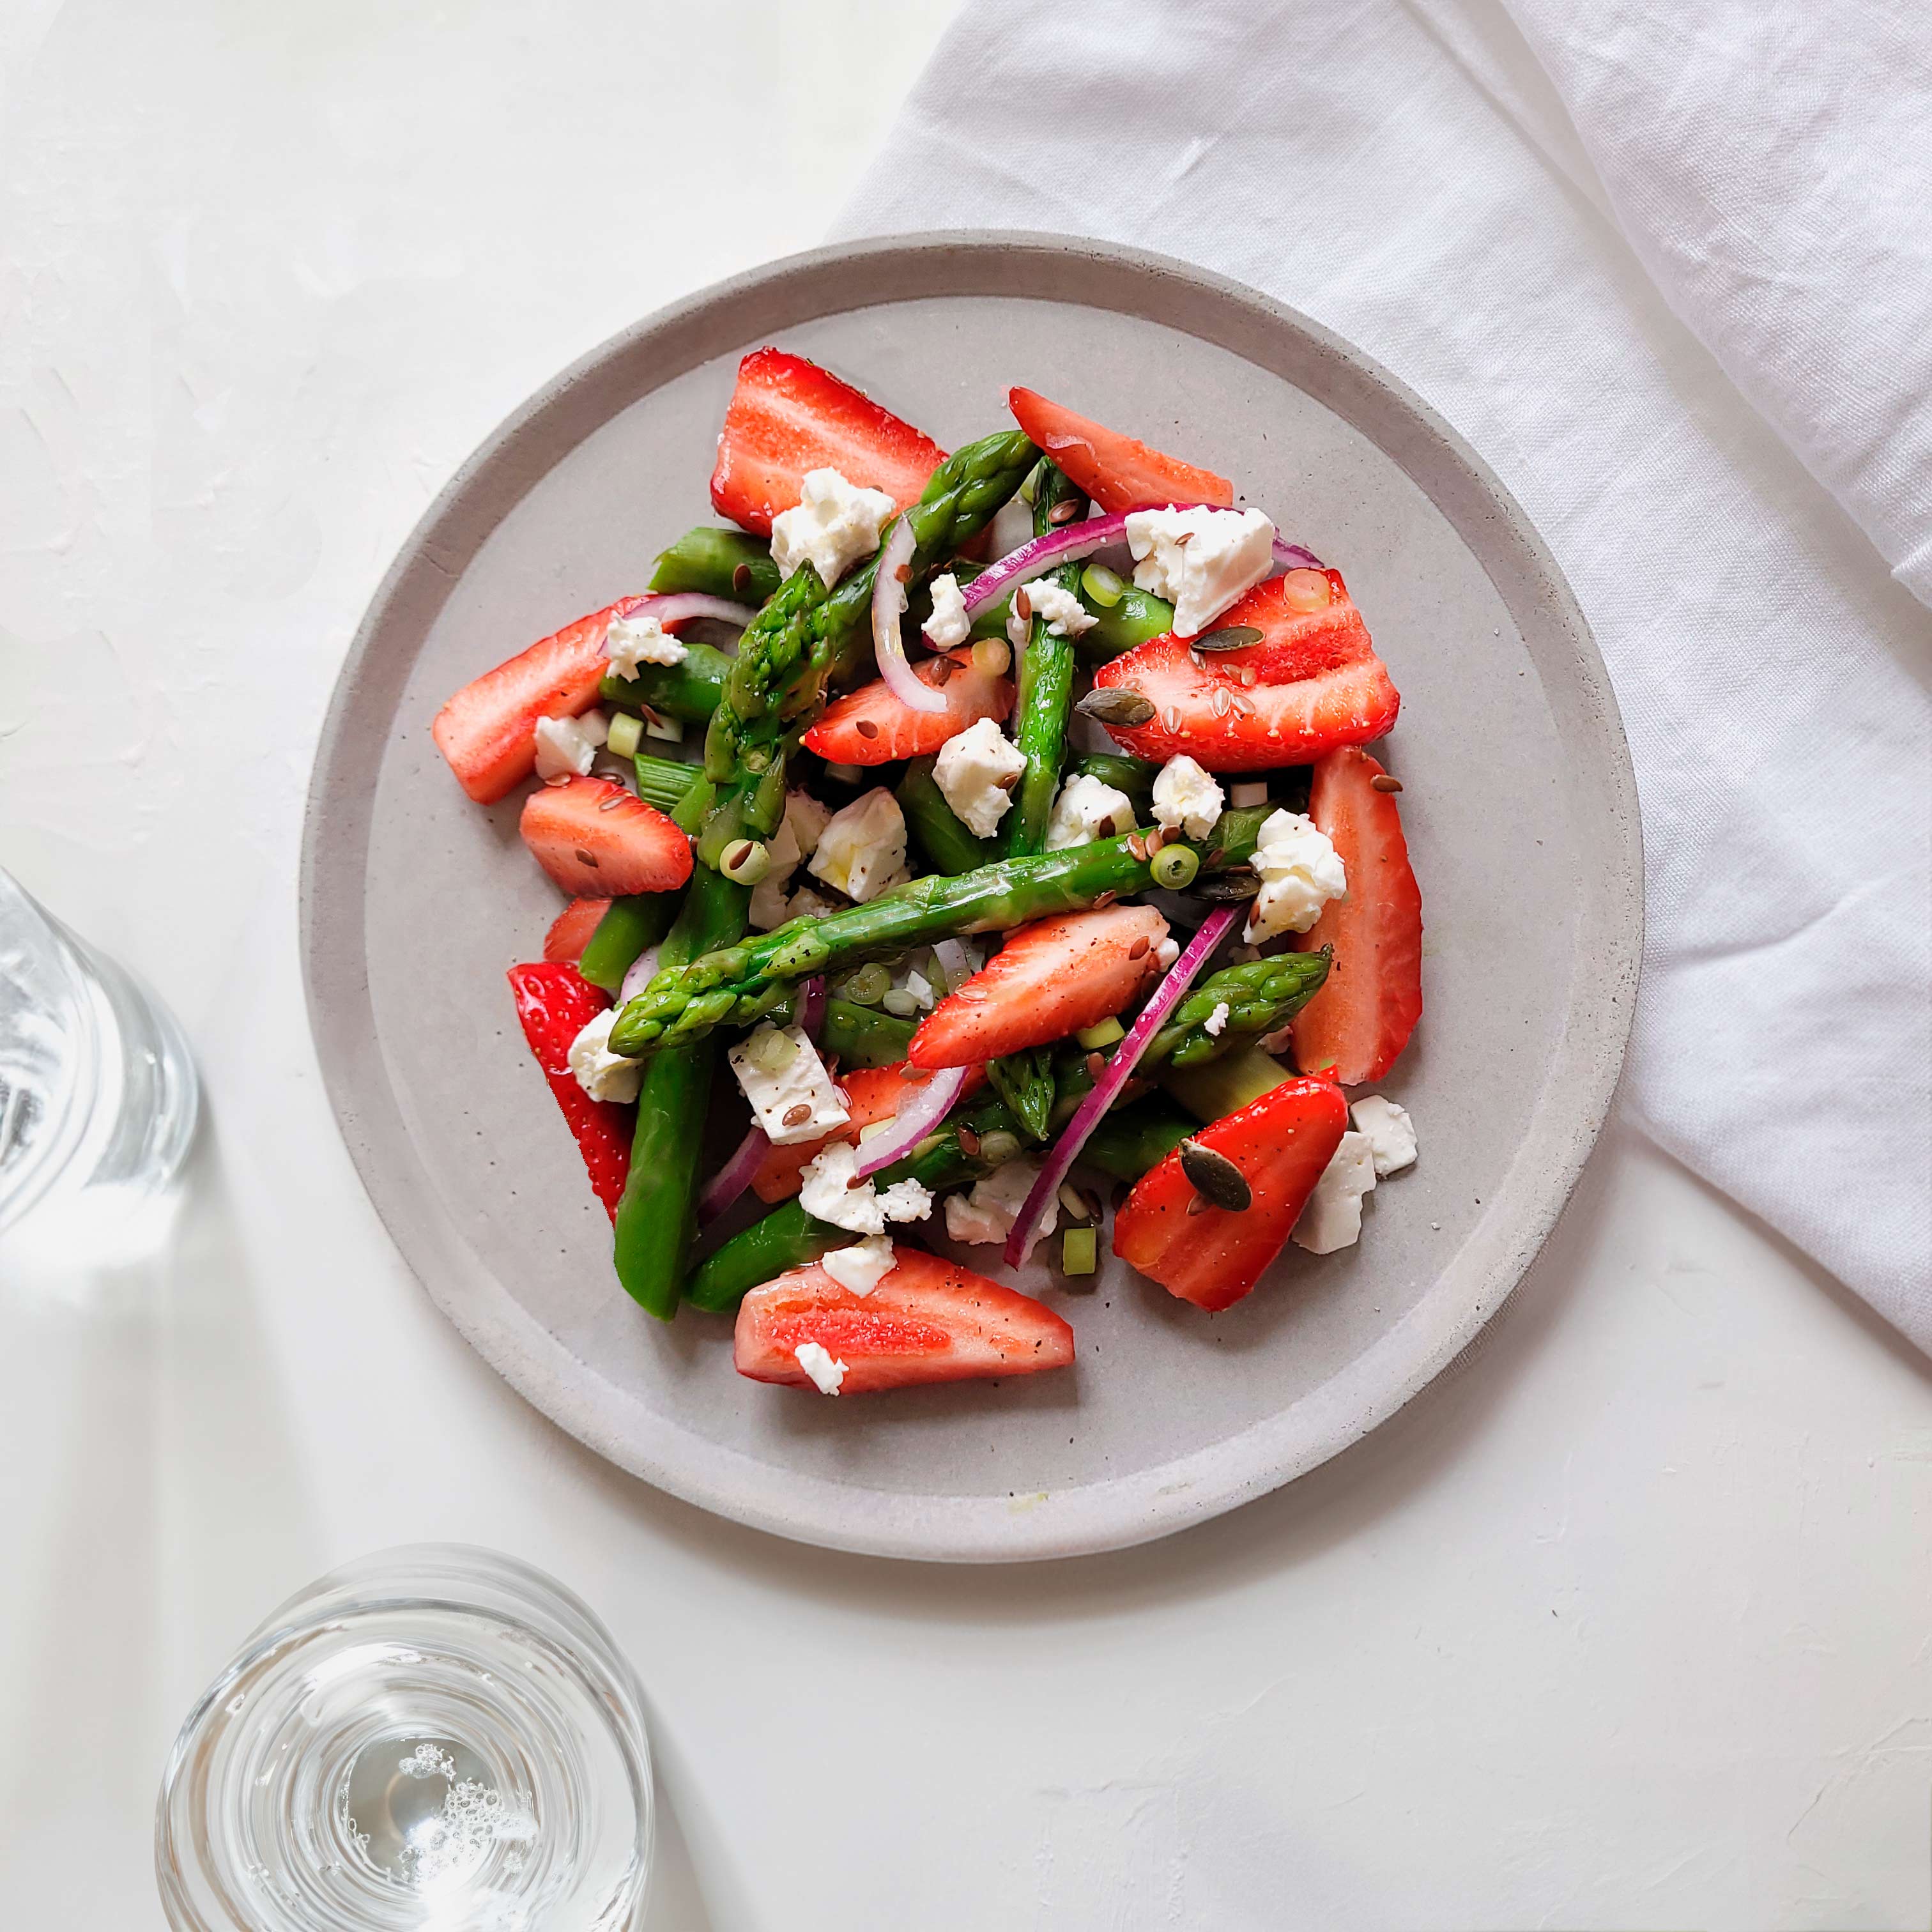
(947,844)
(690,690)
(739,985)
(1024,1081)
(1260,996)
(1045,676)
(719,563)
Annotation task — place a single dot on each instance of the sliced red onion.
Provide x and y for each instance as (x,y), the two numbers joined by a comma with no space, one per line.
(678,607)
(955,962)
(888,605)
(641,968)
(1078,540)
(811,1007)
(734,1176)
(924,1105)
(1115,1075)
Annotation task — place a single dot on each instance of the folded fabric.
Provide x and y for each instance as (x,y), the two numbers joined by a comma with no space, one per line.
(1410,175)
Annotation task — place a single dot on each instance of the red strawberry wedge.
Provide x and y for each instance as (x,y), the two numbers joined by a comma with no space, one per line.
(927,1321)
(1050,978)
(570,932)
(1213,1257)
(1117,471)
(554,1003)
(487,730)
(871,727)
(1368,1006)
(595,839)
(1312,682)
(788,416)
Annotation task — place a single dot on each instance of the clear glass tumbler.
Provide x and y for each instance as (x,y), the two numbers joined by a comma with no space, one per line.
(97,1092)
(434,1737)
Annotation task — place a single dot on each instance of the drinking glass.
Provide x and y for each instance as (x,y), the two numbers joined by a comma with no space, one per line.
(434,1737)
(97,1092)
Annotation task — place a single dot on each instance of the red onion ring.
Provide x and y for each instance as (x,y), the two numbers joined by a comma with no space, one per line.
(888,605)
(1115,1075)
(955,962)
(1078,540)
(638,976)
(679,607)
(922,1109)
(734,1176)
(811,1007)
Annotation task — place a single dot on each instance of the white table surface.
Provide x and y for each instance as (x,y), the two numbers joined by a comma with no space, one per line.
(1625,1623)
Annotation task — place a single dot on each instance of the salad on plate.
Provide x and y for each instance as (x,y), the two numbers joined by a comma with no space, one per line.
(1042,903)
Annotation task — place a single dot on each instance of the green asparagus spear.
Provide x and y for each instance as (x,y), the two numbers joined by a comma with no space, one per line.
(1132,1139)
(1024,1081)
(857,1036)
(949,847)
(666,783)
(1134,776)
(1260,996)
(690,690)
(720,563)
(657,1212)
(1134,617)
(1213,1090)
(1046,678)
(739,985)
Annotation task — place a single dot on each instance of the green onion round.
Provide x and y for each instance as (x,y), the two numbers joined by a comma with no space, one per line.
(1175,866)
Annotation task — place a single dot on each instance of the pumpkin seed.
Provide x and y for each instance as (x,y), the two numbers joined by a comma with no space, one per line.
(1215,1178)
(1112,705)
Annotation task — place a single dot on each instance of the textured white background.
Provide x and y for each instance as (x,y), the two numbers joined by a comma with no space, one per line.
(1624,1625)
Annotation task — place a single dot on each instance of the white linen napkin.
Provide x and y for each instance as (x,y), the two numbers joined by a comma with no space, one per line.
(1644,355)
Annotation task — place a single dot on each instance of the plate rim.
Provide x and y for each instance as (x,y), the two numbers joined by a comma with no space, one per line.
(1111,1513)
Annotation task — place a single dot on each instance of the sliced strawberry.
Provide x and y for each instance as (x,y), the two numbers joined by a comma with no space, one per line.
(1369,1003)
(1281,1143)
(1049,979)
(1317,683)
(592,836)
(1117,471)
(488,731)
(871,726)
(788,416)
(555,1003)
(570,932)
(927,1321)
(871,1093)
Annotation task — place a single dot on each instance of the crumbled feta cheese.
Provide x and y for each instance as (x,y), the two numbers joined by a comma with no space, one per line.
(792,1096)
(1333,1218)
(603,1075)
(1200,560)
(831,1191)
(976,772)
(638,639)
(920,987)
(828,1376)
(1300,872)
(1246,792)
(1391,1132)
(1066,616)
(989,1212)
(862,851)
(1166,953)
(949,625)
(806,904)
(797,836)
(567,746)
(861,1268)
(1186,799)
(1087,808)
(1217,1019)
(835,524)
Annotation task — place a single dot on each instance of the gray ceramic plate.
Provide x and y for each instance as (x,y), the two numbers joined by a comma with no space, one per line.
(1520,814)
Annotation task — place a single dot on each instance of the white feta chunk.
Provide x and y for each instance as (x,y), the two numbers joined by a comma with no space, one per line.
(1300,871)
(603,1075)
(796,838)
(566,747)
(1217,1019)
(1166,953)
(1333,1218)
(1185,798)
(862,851)
(639,639)
(828,1375)
(1200,560)
(1087,809)
(949,625)
(861,1268)
(905,1201)
(1066,616)
(988,1213)
(806,904)
(976,772)
(805,821)
(792,1096)
(1391,1133)
(831,1190)
(920,987)
(834,524)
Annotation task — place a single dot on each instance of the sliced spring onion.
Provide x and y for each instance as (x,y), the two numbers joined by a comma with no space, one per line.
(1080,1251)
(1102,586)
(1175,866)
(1102,1032)
(1112,1077)
(867,986)
(627,733)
